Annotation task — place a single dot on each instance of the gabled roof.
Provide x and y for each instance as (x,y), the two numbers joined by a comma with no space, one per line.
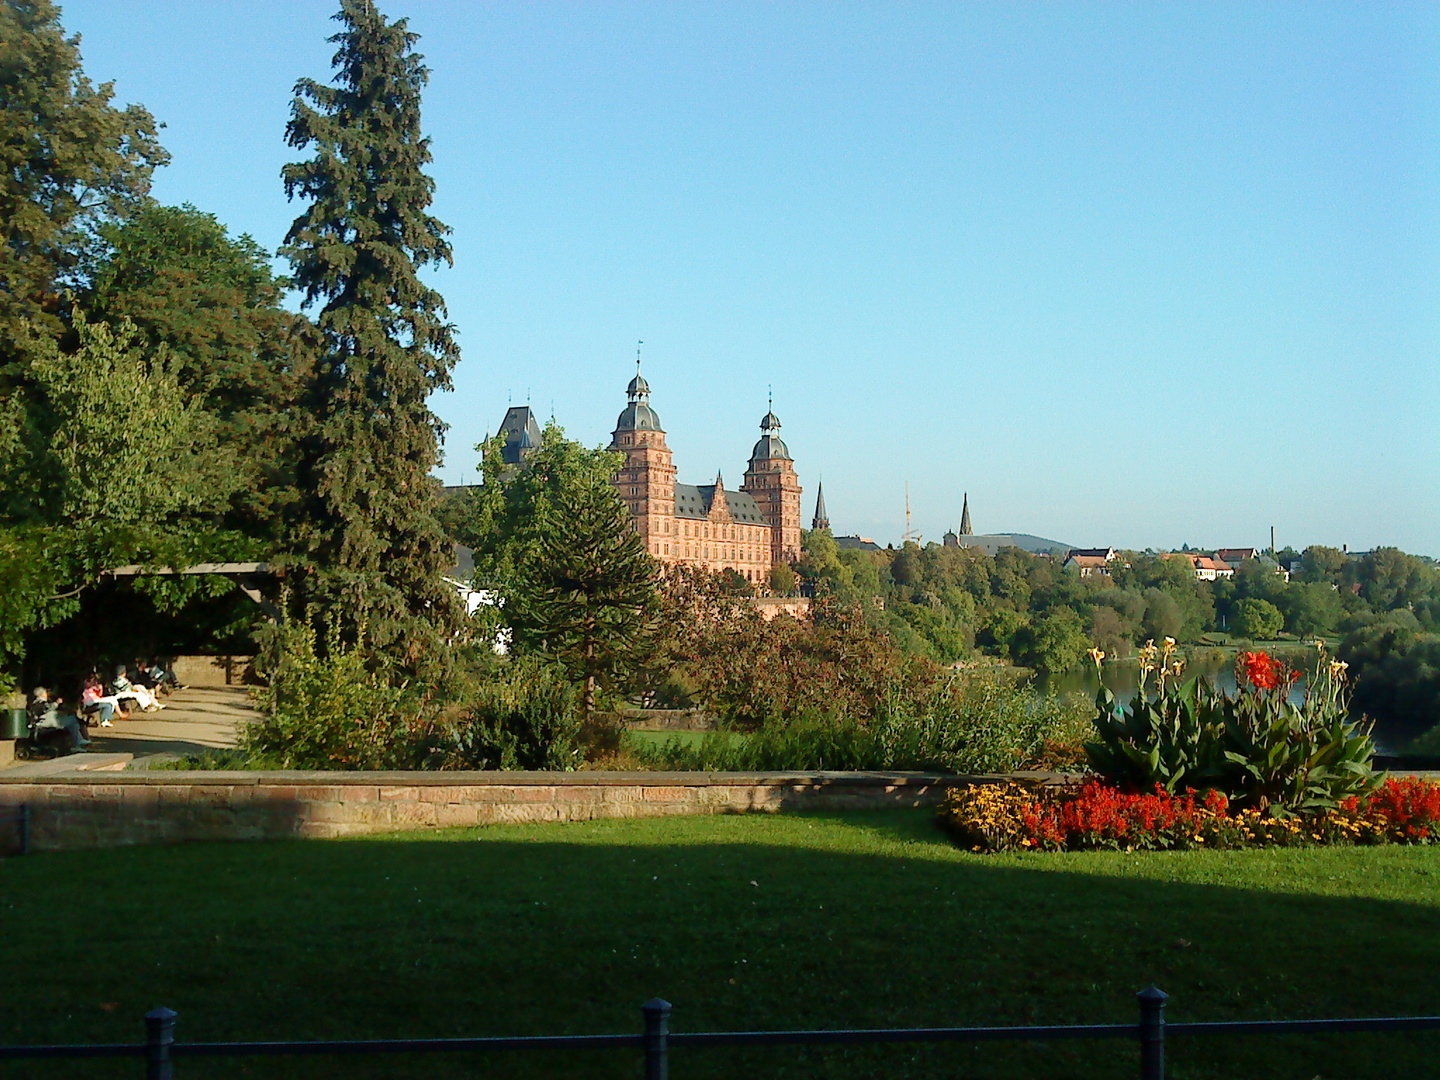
(1236,555)
(1205,562)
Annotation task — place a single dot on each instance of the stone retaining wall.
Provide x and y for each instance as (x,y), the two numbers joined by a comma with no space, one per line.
(113,809)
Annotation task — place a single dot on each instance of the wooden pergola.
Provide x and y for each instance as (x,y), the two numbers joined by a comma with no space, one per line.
(248,577)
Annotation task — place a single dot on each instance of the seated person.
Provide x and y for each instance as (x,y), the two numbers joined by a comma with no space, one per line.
(123,688)
(46,715)
(94,699)
(144,676)
(165,677)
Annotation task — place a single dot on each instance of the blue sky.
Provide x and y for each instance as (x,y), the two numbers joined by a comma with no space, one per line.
(1129,274)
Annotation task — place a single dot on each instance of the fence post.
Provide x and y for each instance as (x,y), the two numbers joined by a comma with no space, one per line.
(1152,1032)
(159,1034)
(657,1035)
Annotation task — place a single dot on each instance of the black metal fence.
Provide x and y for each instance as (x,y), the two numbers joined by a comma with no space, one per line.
(160,1050)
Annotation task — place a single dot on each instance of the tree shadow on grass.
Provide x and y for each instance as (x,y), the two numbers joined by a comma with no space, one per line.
(855,920)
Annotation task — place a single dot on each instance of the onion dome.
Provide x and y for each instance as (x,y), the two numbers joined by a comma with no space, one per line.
(638,416)
(770,447)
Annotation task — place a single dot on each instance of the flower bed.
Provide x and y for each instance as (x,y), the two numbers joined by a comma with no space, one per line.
(1019,817)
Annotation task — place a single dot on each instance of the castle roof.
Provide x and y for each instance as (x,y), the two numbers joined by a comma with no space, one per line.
(638,415)
(770,447)
(521,431)
(694,502)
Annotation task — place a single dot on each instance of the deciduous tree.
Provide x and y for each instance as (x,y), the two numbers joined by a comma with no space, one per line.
(70,160)
(215,305)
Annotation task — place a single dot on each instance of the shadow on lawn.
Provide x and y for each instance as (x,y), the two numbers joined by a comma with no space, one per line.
(742,922)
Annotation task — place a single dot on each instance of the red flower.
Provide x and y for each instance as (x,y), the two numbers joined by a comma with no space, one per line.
(1262,670)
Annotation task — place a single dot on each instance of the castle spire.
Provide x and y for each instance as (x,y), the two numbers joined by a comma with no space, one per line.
(822,519)
(638,392)
(965,529)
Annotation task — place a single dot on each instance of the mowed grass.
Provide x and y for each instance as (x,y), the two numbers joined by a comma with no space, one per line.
(689,739)
(743,922)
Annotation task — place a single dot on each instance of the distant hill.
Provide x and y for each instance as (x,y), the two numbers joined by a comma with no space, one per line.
(990,543)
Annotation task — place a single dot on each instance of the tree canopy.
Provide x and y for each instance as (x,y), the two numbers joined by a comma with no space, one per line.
(554,540)
(71,160)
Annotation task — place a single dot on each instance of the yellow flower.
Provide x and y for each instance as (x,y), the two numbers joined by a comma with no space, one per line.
(1097,655)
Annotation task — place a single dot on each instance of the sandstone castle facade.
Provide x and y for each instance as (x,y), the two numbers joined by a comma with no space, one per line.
(748,531)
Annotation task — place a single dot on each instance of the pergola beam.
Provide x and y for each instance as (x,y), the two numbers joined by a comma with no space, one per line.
(245,575)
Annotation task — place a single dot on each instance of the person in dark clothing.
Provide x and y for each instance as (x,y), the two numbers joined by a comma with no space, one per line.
(46,715)
(145,675)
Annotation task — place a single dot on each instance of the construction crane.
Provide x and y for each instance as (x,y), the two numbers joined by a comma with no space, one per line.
(910,534)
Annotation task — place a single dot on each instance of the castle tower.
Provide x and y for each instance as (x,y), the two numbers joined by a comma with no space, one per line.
(821,519)
(771,482)
(646,482)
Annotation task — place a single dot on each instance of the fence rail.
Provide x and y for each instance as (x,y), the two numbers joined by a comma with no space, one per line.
(160,1050)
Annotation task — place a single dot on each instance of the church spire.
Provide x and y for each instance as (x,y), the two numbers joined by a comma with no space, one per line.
(965,529)
(822,519)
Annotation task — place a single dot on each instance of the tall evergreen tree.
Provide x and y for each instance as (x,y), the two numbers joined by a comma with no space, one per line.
(366,536)
(554,540)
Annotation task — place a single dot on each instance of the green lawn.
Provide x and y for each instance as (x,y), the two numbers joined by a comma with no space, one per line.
(657,739)
(866,919)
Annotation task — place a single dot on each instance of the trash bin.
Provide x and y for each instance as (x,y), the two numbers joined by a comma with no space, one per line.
(13,724)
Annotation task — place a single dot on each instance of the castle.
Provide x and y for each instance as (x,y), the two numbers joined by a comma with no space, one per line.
(747,531)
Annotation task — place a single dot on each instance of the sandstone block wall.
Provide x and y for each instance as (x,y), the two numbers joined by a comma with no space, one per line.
(113,809)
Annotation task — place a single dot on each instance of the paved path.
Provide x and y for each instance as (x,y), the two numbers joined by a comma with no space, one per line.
(193,720)
(200,718)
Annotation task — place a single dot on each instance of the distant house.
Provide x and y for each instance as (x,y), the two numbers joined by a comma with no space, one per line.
(1089,562)
(1206,567)
(857,543)
(1233,557)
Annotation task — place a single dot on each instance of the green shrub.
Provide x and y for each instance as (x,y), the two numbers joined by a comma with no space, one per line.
(1256,746)
(330,712)
(974,723)
(526,717)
